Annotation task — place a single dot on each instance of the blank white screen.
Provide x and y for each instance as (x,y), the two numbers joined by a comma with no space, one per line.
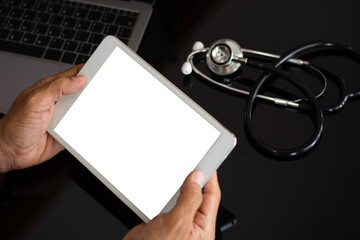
(136,133)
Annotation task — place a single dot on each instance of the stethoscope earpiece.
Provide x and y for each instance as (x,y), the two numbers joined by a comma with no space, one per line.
(186,68)
(197,46)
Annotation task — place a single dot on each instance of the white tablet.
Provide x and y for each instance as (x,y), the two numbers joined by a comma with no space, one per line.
(136,132)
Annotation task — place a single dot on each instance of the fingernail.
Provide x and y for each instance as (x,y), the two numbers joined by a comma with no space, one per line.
(199,177)
(78,78)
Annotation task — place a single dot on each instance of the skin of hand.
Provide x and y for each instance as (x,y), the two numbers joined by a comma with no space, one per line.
(24,140)
(193,217)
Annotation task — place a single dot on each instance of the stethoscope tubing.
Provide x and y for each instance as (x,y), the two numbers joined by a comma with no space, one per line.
(316,110)
(310,104)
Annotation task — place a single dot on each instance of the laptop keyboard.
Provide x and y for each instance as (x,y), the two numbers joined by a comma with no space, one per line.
(59,30)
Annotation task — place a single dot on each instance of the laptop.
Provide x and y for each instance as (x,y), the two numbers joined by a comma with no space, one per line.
(40,38)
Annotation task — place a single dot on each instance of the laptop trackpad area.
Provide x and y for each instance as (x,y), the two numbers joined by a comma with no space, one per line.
(18,73)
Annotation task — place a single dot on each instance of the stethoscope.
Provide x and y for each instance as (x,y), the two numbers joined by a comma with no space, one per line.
(225,57)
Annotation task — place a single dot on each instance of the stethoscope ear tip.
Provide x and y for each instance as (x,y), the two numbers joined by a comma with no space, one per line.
(197,46)
(186,68)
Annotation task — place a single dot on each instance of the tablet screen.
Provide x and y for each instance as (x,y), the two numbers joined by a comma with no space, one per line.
(136,133)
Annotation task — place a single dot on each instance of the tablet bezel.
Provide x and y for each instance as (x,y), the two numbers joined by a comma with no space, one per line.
(208,165)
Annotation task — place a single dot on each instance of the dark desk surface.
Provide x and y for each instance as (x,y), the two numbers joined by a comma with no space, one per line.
(314,197)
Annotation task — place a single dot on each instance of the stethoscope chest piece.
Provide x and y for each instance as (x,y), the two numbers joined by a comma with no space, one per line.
(220,57)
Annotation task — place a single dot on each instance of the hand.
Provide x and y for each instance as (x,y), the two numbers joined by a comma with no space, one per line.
(193,217)
(24,141)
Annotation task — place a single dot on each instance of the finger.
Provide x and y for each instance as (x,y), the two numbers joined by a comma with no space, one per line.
(211,200)
(190,197)
(71,71)
(67,73)
(134,231)
(53,91)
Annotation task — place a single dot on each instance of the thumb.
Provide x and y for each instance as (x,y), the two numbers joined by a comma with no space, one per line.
(190,197)
(52,91)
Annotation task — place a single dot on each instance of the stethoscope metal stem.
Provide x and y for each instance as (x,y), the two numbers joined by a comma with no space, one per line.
(275,56)
(277,101)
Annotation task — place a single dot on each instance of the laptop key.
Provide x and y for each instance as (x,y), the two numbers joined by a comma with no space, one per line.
(41,5)
(56,43)
(29,15)
(43,17)
(73,3)
(68,11)
(121,12)
(84,48)
(56,20)
(29,38)
(82,36)
(81,59)
(3,21)
(69,22)
(41,28)
(96,38)
(4,33)
(14,24)
(4,10)
(52,54)
(89,6)
(54,8)
(28,50)
(125,21)
(28,4)
(54,31)
(16,35)
(93,49)
(15,3)
(28,26)
(16,13)
(110,30)
(81,13)
(68,33)
(94,15)
(108,18)
(83,25)
(43,41)
(68,58)
(132,14)
(97,27)
(125,41)
(70,45)
(124,32)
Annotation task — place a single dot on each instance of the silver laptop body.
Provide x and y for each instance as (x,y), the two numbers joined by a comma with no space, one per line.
(19,69)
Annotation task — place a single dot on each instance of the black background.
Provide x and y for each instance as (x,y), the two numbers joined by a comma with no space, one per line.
(314,197)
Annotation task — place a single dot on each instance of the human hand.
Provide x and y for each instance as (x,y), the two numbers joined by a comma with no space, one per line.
(24,141)
(193,217)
